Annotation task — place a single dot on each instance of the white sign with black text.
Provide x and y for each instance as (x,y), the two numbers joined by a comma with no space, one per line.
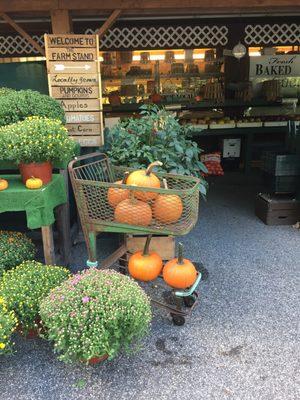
(275,66)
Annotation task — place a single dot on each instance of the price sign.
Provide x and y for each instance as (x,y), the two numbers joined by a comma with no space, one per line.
(74,80)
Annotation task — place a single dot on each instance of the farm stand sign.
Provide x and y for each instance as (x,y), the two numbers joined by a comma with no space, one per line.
(74,80)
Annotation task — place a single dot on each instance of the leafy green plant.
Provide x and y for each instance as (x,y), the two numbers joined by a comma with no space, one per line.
(24,286)
(8,323)
(156,135)
(15,106)
(36,139)
(4,91)
(15,247)
(94,313)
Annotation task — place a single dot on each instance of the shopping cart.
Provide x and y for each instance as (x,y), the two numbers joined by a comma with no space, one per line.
(93,176)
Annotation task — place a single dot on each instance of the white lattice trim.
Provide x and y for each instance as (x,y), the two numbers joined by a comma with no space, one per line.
(18,45)
(164,36)
(275,34)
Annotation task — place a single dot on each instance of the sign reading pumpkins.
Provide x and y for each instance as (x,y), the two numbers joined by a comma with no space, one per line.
(74,80)
(275,66)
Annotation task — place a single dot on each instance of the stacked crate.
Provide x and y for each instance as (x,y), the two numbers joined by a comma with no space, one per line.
(281,173)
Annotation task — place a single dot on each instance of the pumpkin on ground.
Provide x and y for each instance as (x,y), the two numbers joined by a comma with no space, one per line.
(180,273)
(167,208)
(133,212)
(3,184)
(116,195)
(145,178)
(144,265)
(34,183)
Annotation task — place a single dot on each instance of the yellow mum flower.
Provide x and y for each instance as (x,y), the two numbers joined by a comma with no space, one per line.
(2,346)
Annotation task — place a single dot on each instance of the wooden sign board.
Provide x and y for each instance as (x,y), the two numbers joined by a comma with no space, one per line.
(74,80)
(71,41)
(76,67)
(89,141)
(80,104)
(83,117)
(72,54)
(75,92)
(83,129)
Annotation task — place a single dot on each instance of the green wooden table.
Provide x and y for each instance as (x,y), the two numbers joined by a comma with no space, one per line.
(40,206)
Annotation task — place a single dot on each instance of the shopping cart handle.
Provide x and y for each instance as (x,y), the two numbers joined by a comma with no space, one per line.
(84,157)
(190,291)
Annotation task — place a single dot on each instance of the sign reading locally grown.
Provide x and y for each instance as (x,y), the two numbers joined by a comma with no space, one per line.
(275,66)
(74,80)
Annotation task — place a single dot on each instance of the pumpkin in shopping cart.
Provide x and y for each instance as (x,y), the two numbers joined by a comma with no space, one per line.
(133,212)
(167,208)
(116,195)
(145,178)
(145,265)
(180,273)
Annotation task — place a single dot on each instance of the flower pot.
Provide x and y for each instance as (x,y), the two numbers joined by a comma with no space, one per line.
(37,170)
(96,360)
(30,334)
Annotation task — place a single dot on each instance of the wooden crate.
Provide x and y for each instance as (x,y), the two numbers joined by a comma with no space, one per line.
(277,209)
(163,245)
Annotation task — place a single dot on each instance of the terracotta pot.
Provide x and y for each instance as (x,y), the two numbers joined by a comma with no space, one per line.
(96,360)
(30,334)
(36,170)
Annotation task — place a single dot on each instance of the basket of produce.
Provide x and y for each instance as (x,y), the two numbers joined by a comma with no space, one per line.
(119,199)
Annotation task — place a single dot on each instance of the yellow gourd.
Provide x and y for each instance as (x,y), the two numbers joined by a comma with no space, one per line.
(3,184)
(34,183)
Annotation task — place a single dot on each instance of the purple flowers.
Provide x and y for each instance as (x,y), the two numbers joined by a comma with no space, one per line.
(85,299)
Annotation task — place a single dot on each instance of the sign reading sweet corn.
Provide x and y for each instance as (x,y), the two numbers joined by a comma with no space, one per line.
(74,80)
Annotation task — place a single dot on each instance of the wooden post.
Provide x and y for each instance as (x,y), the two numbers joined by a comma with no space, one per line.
(48,245)
(61,21)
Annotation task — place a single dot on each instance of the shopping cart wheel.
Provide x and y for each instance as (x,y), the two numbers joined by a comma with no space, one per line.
(189,301)
(178,320)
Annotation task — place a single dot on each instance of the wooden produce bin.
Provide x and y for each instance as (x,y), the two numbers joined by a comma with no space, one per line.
(277,209)
(163,245)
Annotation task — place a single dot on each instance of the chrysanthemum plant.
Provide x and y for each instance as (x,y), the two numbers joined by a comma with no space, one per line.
(23,288)
(95,313)
(8,323)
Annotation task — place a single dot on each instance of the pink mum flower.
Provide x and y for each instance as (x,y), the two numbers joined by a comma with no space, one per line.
(85,299)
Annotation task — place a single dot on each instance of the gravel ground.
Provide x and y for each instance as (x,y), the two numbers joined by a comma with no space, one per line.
(241,343)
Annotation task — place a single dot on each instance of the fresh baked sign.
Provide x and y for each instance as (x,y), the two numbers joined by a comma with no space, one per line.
(275,66)
(74,80)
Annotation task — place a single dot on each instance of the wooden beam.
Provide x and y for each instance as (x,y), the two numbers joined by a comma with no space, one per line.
(21,31)
(108,23)
(231,6)
(61,21)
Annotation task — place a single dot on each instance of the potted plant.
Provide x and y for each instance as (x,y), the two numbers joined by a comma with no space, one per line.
(156,135)
(15,247)
(8,324)
(17,105)
(35,144)
(94,315)
(24,286)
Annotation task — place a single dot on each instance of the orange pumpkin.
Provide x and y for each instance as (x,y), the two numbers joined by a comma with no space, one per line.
(116,195)
(133,212)
(144,265)
(3,184)
(179,273)
(167,208)
(145,178)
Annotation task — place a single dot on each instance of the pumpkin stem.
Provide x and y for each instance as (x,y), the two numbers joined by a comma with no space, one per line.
(165,183)
(147,244)
(152,165)
(126,174)
(180,254)
(131,197)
